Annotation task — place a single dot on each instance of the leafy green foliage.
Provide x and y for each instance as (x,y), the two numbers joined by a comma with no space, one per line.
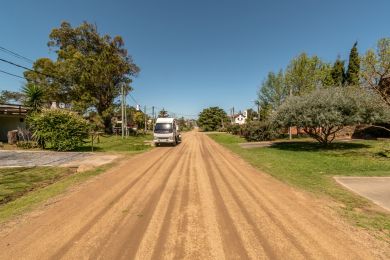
(375,69)
(7,96)
(352,76)
(251,115)
(234,129)
(323,113)
(62,129)
(305,74)
(259,131)
(212,119)
(272,93)
(34,97)
(338,73)
(163,113)
(89,71)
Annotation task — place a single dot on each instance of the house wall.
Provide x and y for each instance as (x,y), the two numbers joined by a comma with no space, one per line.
(8,124)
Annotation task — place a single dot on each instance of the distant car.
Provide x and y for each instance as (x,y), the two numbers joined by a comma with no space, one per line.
(166,131)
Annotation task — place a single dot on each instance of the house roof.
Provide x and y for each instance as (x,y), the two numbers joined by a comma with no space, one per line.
(13,110)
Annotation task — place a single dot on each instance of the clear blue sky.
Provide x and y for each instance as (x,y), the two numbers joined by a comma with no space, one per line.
(200,53)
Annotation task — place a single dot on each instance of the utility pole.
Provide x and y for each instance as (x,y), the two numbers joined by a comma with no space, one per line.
(123,112)
(145,119)
(233,115)
(289,129)
(153,116)
(125,122)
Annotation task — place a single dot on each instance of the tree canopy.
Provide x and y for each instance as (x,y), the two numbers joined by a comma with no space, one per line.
(89,71)
(272,93)
(352,76)
(7,96)
(375,69)
(305,74)
(338,72)
(322,113)
(212,118)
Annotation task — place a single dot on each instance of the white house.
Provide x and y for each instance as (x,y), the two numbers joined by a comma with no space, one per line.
(240,118)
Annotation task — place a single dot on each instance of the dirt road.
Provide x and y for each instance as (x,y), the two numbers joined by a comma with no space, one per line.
(193,201)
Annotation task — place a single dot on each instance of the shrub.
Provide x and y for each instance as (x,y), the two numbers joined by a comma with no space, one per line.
(62,129)
(323,113)
(234,129)
(27,144)
(259,131)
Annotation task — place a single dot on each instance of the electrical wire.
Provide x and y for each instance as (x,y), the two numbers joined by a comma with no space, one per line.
(15,54)
(11,74)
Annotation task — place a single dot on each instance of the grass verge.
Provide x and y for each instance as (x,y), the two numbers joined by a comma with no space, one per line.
(309,166)
(113,143)
(15,182)
(35,197)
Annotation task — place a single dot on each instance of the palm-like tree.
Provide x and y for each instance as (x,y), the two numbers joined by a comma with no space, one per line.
(34,96)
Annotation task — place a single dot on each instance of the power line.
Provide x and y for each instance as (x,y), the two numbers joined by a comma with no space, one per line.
(15,54)
(32,70)
(17,65)
(8,73)
(135,101)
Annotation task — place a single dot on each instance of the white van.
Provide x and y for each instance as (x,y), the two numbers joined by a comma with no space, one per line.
(166,131)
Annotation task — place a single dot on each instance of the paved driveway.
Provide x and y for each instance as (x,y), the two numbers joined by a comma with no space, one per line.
(39,158)
(376,189)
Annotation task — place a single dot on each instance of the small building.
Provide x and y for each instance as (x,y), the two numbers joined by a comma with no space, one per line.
(12,117)
(240,118)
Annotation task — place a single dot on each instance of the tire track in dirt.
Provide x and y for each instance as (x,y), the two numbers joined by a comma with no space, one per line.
(124,242)
(134,206)
(278,209)
(63,250)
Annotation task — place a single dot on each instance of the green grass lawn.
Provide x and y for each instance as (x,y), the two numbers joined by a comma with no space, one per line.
(309,166)
(112,143)
(37,195)
(15,182)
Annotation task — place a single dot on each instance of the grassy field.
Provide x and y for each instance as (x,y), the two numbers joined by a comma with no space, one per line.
(37,196)
(15,182)
(311,167)
(114,143)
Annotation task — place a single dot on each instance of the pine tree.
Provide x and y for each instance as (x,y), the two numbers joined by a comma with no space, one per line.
(338,72)
(352,77)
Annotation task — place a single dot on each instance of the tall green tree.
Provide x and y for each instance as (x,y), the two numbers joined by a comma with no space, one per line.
(212,118)
(338,72)
(375,69)
(7,96)
(251,115)
(272,93)
(90,69)
(305,74)
(352,76)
